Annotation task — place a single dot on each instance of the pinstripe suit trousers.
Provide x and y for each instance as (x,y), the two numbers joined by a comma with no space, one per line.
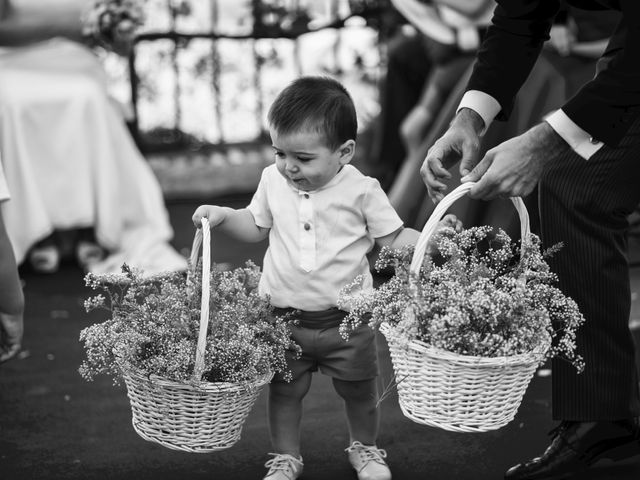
(585,204)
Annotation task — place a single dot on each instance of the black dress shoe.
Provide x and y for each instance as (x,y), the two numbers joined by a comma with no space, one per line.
(576,446)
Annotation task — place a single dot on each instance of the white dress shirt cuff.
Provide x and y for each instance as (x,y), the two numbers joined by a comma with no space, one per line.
(483,104)
(580,141)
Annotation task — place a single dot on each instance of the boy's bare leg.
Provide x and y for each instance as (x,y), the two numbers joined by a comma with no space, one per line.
(285,413)
(360,400)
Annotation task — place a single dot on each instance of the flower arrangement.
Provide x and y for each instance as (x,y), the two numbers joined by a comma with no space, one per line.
(481,295)
(154,323)
(112,24)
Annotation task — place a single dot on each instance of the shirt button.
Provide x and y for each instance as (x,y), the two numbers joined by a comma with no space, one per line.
(307,226)
(593,140)
(306,195)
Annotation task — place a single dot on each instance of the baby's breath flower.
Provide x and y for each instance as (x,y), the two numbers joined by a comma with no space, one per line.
(155,321)
(482,295)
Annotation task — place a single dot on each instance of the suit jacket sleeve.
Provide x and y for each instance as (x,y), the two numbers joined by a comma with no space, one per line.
(510,49)
(604,107)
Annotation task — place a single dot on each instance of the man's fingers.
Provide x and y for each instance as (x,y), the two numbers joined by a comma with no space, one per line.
(490,187)
(479,170)
(486,185)
(469,157)
(434,157)
(436,197)
(439,171)
(483,190)
(433,172)
(474,174)
(436,191)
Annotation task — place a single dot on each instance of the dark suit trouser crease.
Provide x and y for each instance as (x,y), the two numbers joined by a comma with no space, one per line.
(585,204)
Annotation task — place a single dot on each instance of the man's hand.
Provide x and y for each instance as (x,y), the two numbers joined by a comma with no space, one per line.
(513,168)
(11,330)
(460,143)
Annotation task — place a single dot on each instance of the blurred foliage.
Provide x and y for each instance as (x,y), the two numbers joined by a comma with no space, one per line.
(195,91)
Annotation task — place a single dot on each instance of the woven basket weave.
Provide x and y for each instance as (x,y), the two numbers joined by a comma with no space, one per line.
(456,392)
(193,416)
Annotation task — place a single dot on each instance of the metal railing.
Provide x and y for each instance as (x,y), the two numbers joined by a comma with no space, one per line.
(271,21)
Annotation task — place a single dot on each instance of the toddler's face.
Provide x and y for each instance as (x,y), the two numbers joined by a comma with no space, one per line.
(304,159)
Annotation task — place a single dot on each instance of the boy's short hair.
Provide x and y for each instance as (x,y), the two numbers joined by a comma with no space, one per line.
(316,103)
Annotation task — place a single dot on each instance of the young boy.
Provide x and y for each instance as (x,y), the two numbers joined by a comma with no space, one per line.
(322,217)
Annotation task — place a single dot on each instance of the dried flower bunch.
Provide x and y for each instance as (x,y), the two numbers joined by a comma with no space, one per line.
(479,296)
(112,24)
(154,323)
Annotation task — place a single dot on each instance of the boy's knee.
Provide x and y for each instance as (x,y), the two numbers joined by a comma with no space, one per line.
(296,389)
(360,390)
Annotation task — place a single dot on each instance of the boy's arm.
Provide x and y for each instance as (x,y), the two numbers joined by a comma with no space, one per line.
(398,239)
(408,236)
(239,223)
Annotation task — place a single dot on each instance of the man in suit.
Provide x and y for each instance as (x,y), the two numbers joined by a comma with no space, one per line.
(585,158)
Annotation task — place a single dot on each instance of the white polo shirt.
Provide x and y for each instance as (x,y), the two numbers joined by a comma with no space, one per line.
(319,240)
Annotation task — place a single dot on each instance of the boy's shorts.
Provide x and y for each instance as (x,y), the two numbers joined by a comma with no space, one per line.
(324,349)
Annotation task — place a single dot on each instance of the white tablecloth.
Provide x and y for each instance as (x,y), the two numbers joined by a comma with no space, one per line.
(70,161)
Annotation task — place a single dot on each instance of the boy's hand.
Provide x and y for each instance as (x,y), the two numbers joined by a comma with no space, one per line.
(450,220)
(448,224)
(216,215)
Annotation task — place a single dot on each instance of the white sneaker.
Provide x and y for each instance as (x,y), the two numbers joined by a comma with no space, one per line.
(368,461)
(283,467)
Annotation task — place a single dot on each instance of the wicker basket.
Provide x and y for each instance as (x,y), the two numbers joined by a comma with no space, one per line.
(192,416)
(451,391)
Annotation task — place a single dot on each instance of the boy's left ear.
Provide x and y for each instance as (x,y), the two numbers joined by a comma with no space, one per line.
(346,151)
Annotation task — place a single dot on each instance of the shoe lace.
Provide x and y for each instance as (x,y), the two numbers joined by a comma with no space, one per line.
(368,453)
(283,462)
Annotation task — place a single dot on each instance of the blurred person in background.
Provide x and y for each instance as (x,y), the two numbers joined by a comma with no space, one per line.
(425,58)
(11,296)
(68,157)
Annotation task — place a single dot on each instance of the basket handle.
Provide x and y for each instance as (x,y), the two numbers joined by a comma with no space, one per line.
(202,238)
(439,212)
